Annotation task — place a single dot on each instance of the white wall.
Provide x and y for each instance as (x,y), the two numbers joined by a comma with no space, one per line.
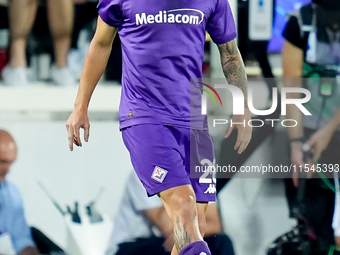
(69,176)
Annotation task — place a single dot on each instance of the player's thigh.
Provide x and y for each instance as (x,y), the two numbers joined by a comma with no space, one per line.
(156,157)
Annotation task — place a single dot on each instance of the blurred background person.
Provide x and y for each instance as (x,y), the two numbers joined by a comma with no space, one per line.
(85,18)
(143,227)
(311,59)
(14,231)
(21,18)
(12,219)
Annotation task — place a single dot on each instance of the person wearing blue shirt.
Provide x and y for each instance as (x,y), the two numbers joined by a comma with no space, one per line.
(12,219)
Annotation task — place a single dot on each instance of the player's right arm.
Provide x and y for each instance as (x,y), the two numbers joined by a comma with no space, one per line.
(94,66)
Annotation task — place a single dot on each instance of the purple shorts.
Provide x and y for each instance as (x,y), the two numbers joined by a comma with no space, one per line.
(164,156)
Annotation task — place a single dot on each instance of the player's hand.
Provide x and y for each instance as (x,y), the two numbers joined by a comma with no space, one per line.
(320,140)
(78,119)
(244,131)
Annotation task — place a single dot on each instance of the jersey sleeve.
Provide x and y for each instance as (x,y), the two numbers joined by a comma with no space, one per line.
(221,24)
(292,33)
(19,231)
(110,12)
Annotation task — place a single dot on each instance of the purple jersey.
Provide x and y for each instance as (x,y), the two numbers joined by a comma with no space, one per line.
(163,46)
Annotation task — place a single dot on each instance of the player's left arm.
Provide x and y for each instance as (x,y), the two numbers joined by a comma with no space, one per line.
(94,66)
(234,71)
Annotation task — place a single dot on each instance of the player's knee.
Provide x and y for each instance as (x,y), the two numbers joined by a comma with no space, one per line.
(188,208)
(184,206)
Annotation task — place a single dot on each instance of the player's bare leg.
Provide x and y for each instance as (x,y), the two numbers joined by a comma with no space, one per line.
(60,17)
(181,207)
(201,211)
(21,16)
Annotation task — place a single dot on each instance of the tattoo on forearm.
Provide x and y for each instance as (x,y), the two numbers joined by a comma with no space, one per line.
(233,67)
(181,236)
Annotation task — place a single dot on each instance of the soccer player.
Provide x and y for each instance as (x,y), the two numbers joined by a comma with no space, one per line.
(163,44)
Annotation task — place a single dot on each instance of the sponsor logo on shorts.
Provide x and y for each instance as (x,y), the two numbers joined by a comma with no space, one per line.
(211,189)
(159,174)
(178,16)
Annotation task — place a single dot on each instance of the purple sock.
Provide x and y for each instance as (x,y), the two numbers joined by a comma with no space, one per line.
(195,248)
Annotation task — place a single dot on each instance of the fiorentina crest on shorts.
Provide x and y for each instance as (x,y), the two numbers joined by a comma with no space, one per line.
(159,174)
